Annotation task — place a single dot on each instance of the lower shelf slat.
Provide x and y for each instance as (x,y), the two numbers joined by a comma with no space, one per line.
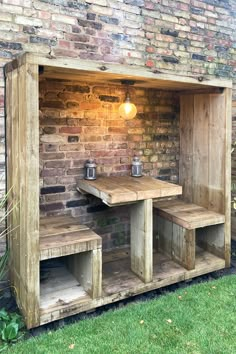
(65,296)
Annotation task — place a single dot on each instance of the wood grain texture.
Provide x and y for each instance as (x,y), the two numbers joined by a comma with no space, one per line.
(187,215)
(119,282)
(176,242)
(23,176)
(29,191)
(86,267)
(186,146)
(227,171)
(70,68)
(210,162)
(116,190)
(63,235)
(142,239)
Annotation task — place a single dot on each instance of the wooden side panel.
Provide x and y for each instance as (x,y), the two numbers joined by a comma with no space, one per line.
(23,169)
(211,164)
(29,191)
(164,231)
(176,242)
(211,239)
(87,269)
(227,171)
(141,240)
(186,146)
(183,246)
(200,188)
(216,153)
(12,127)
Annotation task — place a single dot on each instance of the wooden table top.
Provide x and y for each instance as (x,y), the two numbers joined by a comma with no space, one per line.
(125,189)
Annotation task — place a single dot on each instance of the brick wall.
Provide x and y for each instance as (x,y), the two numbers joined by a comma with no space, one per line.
(189,37)
(78,122)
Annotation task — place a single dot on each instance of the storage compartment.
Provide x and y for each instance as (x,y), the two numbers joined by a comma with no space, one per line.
(59,284)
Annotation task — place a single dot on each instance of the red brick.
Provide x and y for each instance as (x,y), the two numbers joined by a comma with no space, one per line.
(114,130)
(150,63)
(70,130)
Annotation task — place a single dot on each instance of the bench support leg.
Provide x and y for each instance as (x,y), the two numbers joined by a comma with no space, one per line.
(141,240)
(183,246)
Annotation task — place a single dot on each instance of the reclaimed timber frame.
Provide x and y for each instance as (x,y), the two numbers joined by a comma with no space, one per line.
(205,136)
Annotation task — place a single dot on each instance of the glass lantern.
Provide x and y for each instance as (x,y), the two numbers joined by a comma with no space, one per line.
(136,168)
(90,170)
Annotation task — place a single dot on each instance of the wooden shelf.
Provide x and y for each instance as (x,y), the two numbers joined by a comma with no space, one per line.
(62,295)
(117,276)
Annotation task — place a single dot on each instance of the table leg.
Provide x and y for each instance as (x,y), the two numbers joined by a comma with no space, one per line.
(142,240)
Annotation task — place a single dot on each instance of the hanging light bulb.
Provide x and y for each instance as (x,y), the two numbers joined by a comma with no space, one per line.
(127,109)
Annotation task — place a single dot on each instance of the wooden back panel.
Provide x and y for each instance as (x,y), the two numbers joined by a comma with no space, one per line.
(202,150)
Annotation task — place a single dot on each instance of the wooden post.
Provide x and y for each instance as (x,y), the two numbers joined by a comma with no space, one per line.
(23,147)
(141,240)
(227,172)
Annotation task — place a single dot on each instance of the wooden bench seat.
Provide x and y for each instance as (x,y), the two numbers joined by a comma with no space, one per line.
(65,236)
(189,216)
(176,225)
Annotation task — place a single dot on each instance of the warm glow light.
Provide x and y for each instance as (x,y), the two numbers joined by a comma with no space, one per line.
(127,110)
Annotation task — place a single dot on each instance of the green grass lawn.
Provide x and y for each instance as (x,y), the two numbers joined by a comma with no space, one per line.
(197,319)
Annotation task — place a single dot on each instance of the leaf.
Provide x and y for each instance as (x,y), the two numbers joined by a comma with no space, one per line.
(141,322)
(180,297)
(2,325)
(71,346)
(169,321)
(4,315)
(3,347)
(10,332)
(15,317)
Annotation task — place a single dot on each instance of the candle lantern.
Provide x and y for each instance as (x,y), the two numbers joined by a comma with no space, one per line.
(136,168)
(90,169)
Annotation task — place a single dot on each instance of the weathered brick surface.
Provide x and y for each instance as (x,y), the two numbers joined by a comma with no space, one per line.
(191,37)
(103,135)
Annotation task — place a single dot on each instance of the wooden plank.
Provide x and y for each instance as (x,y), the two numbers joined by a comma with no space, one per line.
(63,245)
(200,148)
(186,146)
(176,242)
(216,144)
(183,246)
(12,176)
(117,190)
(141,239)
(227,172)
(164,232)
(29,192)
(119,71)
(188,215)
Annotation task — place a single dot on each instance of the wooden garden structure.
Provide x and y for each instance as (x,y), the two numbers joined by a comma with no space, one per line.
(191,234)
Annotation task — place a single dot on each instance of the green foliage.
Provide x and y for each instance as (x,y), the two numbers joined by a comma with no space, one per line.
(10,323)
(198,319)
(3,265)
(10,326)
